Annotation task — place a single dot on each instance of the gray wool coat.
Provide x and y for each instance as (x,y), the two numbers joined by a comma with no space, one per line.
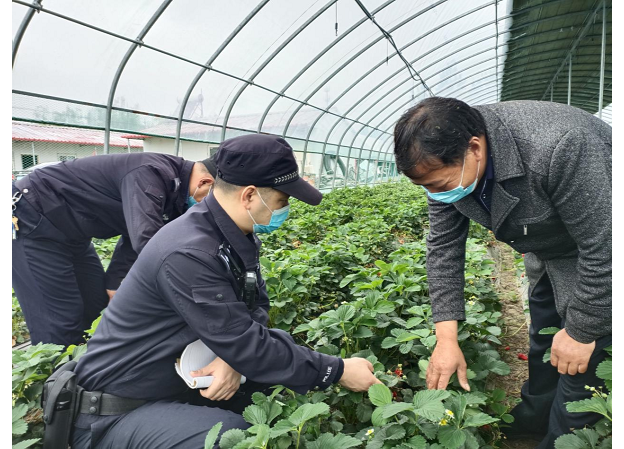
(551,200)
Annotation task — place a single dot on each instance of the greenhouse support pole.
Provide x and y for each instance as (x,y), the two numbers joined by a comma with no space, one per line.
(496,49)
(203,70)
(552,88)
(570,81)
(313,61)
(586,27)
(602,57)
(122,66)
(36,6)
(250,80)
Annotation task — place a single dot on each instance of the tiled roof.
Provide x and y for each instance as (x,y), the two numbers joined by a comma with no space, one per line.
(32,132)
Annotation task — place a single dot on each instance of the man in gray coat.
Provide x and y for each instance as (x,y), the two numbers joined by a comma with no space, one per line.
(538,175)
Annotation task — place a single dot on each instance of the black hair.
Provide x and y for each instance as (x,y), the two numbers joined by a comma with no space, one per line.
(435,131)
(228,188)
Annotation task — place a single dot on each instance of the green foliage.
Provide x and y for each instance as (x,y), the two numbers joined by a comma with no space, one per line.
(452,420)
(18,322)
(105,249)
(600,402)
(212,436)
(350,281)
(31,367)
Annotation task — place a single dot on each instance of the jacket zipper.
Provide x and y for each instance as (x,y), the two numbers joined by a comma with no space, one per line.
(526,229)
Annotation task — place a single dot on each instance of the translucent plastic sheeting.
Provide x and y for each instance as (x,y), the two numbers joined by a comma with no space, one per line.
(67,60)
(18,12)
(607,114)
(437,35)
(123,17)
(210,97)
(196,29)
(264,34)
(153,82)
(45,110)
(200,132)
(276,67)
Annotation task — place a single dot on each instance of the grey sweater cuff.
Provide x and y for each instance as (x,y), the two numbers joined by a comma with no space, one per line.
(447,299)
(585,328)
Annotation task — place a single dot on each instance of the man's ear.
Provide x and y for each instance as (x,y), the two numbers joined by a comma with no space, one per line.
(206,180)
(248,194)
(476,145)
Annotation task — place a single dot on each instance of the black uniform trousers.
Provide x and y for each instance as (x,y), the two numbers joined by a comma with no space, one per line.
(163,424)
(58,282)
(544,395)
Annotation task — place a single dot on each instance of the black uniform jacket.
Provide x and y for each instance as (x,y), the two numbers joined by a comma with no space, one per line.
(179,290)
(132,195)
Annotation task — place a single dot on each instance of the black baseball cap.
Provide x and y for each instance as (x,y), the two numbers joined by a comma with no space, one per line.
(211,165)
(263,161)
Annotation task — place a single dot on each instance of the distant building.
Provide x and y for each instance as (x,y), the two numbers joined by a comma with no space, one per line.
(35,144)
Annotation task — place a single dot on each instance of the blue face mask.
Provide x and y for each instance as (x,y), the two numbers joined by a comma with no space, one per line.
(191,201)
(456,194)
(277,218)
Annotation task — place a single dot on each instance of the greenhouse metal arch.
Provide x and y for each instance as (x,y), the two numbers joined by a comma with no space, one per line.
(184,75)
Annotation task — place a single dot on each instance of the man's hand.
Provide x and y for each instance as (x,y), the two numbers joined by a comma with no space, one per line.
(358,374)
(225,383)
(568,355)
(447,358)
(111,293)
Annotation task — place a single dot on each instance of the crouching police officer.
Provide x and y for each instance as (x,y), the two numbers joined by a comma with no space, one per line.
(57,275)
(199,278)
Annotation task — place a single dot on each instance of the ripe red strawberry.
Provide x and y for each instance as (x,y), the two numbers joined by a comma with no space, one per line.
(522,356)
(507,348)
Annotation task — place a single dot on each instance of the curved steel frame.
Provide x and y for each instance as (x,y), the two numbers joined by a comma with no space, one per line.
(481,91)
(421,56)
(360,52)
(316,58)
(203,70)
(36,6)
(584,31)
(122,66)
(436,48)
(391,102)
(381,63)
(269,59)
(164,52)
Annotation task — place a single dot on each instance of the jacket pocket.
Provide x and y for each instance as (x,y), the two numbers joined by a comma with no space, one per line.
(28,219)
(542,227)
(155,193)
(220,311)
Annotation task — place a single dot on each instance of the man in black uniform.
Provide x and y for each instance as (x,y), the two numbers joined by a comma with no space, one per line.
(182,288)
(57,210)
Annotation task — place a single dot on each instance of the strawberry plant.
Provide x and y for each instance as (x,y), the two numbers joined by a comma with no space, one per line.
(31,367)
(18,322)
(598,436)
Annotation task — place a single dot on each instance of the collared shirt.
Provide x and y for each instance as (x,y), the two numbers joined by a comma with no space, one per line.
(483,191)
(180,290)
(132,195)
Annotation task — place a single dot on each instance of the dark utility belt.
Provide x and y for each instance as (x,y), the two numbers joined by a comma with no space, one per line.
(104,404)
(62,400)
